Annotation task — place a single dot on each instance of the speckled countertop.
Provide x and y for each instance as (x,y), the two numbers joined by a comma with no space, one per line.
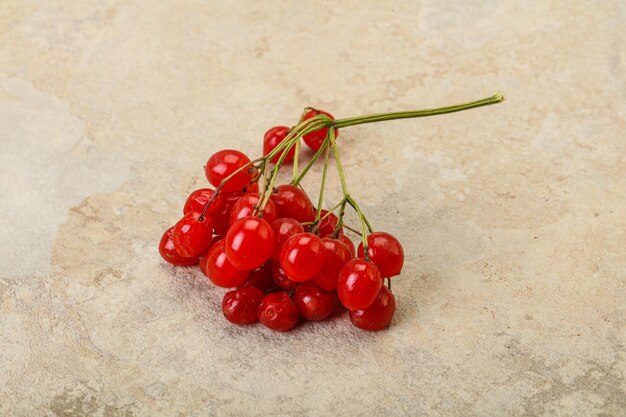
(512,217)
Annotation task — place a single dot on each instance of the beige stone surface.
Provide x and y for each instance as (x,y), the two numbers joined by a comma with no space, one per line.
(513,217)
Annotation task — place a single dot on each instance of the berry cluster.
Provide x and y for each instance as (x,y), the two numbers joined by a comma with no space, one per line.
(284,257)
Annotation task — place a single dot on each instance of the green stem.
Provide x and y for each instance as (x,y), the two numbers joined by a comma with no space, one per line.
(320,201)
(295,159)
(306,169)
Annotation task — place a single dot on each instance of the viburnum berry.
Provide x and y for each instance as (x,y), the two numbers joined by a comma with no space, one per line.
(386,252)
(241,306)
(221,216)
(328,224)
(281,279)
(348,242)
(192,234)
(315,139)
(278,312)
(203,256)
(253,187)
(220,270)
(249,242)
(336,255)
(283,229)
(224,163)
(261,277)
(246,205)
(378,315)
(302,256)
(272,138)
(169,253)
(313,302)
(199,198)
(359,284)
(293,203)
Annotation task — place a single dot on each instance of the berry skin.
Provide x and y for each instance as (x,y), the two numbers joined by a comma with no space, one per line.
(223,163)
(252,187)
(313,303)
(283,229)
(168,251)
(261,278)
(378,315)
(220,270)
(348,242)
(273,138)
(359,284)
(245,206)
(335,257)
(242,306)
(302,256)
(192,235)
(327,226)
(198,199)
(281,279)
(386,252)
(221,217)
(249,242)
(293,203)
(278,312)
(315,139)
(203,256)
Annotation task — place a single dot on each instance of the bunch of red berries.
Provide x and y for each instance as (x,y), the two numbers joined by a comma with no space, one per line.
(284,257)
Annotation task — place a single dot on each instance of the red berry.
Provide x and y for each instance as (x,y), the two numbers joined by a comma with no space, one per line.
(335,257)
(220,270)
(252,187)
(327,226)
(278,312)
(283,229)
(273,138)
(359,284)
(316,138)
(203,256)
(261,278)
(293,203)
(225,162)
(221,217)
(241,306)
(245,206)
(249,242)
(192,235)
(281,279)
(168,251)
(313,303)
(378,315)
(386,252)
(302,256)
(348,242)
(198,199)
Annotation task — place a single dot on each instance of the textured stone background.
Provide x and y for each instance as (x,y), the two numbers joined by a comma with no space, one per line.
(513,217)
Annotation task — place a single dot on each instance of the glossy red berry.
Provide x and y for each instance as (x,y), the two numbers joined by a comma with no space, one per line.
(221,217)
(378,315)
(273,138)
(261,277)
(348,242)
(281,279)
(198,199)
(246,205)
(327,226)
(336,255)
(278,312)
(220,270)
(386,252)
(168,251)
(359,284)
(313,303)
(302,256)
(252,187)
(225,162)
(283,229)
(249,242)
(241,306)
(204,255)
(293,203)
(192,235)
(315,139)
